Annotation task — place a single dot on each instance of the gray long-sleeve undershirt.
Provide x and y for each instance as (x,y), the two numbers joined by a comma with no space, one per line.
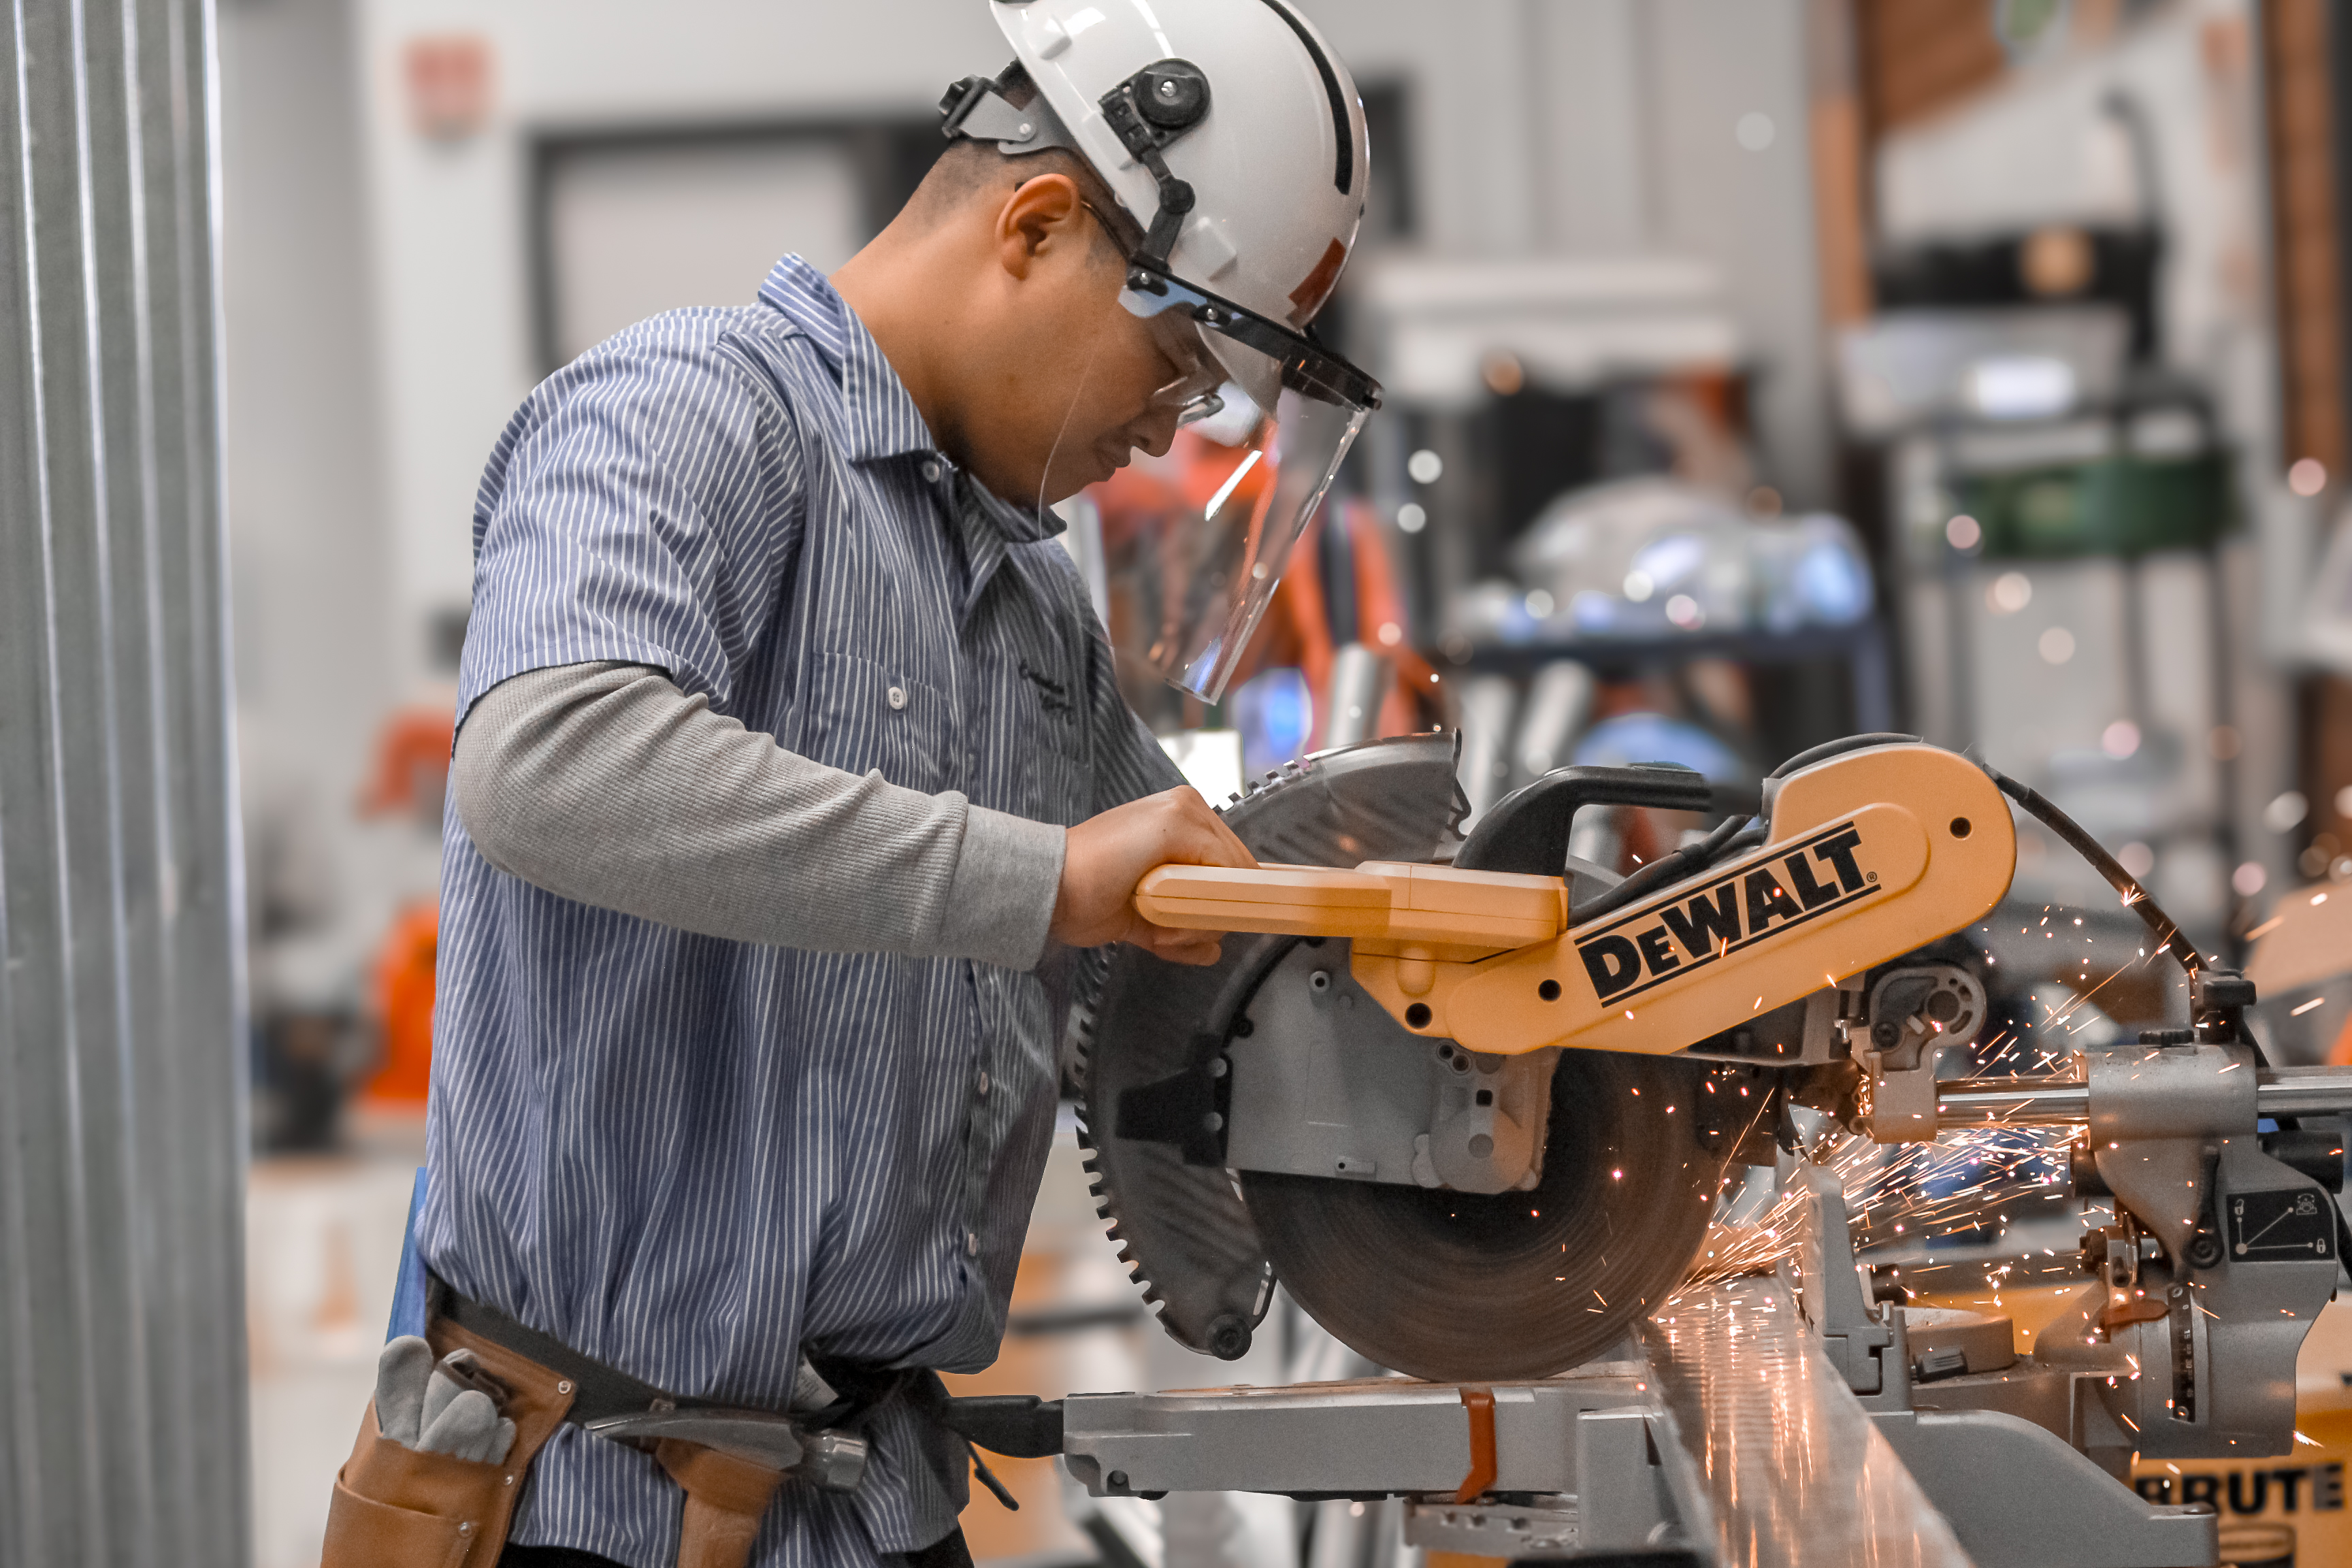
(606,784)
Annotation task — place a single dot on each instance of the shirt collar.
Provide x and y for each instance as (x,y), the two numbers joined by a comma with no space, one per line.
(1019,524)
(882,418)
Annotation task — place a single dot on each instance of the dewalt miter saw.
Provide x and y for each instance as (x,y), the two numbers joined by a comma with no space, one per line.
(1471,1101)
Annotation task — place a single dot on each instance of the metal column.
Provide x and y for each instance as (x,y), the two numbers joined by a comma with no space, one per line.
(122,1398)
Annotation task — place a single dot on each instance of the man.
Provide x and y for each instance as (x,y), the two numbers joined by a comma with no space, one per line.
(792,776)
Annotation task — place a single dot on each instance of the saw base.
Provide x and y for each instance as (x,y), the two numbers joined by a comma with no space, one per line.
(1750,1423)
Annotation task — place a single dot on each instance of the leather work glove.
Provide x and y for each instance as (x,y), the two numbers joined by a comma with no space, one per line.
(451,1408)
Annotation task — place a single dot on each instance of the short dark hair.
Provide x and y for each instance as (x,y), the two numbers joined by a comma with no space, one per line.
(968,169)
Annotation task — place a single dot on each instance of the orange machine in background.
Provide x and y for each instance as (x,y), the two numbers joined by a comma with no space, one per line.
(1299,631)
(410,778)
(1332,591)
(403,1002)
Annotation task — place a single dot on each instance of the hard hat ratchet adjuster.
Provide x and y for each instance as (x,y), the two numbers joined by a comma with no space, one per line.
(1147,111)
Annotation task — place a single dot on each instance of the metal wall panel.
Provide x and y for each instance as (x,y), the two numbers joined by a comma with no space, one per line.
(122,1424)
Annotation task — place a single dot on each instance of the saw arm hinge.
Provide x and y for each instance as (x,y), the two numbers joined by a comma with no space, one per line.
(1911,1016)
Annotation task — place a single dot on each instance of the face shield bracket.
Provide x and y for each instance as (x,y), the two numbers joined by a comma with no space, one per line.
(975,107)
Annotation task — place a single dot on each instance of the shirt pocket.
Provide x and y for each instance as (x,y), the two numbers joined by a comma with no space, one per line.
(870,718)
(1057,769)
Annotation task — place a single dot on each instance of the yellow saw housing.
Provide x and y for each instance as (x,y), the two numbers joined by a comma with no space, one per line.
(1869,855)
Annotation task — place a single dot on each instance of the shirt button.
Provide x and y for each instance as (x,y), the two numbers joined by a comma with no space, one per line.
(984,1083)
(971,1244)
(930,471)
(897,698)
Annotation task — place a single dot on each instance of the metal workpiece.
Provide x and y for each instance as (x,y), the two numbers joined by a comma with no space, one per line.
(1375,1438)
(1790,1472)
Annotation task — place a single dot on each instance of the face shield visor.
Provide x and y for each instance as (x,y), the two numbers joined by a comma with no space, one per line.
(1265,417)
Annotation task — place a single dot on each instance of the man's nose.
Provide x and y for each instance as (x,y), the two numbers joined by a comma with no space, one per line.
(1156,433)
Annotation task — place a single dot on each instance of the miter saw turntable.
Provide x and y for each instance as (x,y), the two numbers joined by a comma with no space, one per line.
(1474,1102)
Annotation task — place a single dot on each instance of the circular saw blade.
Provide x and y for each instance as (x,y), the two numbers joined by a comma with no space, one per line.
(1460,1287)
(1183,1228)
(1447,1286)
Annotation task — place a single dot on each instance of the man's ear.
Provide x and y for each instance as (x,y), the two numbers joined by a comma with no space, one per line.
(1042,213)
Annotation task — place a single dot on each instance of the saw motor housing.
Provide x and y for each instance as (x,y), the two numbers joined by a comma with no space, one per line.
(1868,856)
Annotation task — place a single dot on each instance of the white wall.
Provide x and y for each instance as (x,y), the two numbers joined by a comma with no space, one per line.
(307,527)
(309,540)
(1590,126)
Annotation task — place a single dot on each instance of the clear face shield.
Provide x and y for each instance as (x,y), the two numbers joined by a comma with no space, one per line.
(1199,539)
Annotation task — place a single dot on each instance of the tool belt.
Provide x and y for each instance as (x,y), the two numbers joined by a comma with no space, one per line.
(395,1507)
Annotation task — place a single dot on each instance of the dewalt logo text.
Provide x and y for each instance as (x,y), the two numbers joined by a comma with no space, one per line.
(1800,882)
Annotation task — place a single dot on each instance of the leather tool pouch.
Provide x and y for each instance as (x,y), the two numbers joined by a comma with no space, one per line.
(725,1496)
(396,1508)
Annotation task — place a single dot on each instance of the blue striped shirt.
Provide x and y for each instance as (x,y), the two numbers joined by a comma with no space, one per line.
(693,1158)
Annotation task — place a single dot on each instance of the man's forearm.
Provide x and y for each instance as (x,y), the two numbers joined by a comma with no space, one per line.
(606,784)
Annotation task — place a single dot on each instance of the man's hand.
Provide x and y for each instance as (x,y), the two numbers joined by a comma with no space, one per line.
(1108,855)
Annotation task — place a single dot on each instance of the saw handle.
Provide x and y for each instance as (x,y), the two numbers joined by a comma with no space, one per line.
(1527,830)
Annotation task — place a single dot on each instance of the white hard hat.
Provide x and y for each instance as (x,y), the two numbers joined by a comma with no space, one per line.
(1245,103)
(1235,140)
